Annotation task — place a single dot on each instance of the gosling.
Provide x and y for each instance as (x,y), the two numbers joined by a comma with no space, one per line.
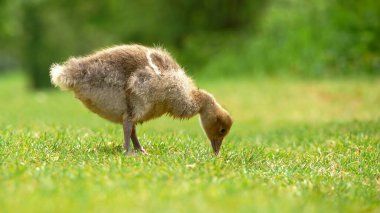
(131,84)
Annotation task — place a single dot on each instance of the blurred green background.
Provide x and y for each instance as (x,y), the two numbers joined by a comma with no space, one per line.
(218,38)
(300,79)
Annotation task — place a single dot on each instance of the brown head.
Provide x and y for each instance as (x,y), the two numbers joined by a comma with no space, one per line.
(215,120)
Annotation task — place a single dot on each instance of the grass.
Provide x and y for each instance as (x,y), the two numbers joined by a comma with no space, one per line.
(296,146)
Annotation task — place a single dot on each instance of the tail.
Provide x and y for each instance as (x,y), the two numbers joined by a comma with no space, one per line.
(59,77)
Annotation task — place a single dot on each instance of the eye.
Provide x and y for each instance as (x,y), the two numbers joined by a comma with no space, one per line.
(222,130)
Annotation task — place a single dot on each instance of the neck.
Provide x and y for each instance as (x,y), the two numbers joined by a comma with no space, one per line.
(201,102)
(205,101)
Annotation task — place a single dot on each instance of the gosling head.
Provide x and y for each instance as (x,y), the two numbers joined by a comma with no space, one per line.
(215,121)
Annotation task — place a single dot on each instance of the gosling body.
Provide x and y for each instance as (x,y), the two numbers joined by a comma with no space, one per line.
(132,84)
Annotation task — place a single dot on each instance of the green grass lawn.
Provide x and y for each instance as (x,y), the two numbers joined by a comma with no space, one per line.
(295,146)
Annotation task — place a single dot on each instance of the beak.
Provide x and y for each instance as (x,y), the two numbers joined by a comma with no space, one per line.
(216,146)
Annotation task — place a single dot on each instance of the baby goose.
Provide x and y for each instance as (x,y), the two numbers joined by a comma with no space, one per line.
(131,84)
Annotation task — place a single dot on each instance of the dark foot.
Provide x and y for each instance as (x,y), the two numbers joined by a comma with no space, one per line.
(129,153)
(142,150)
(135,152)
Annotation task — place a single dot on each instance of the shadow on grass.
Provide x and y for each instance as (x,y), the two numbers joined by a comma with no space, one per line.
(110,149)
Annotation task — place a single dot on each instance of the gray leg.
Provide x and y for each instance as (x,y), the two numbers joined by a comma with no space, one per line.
(127,127)
(135,141)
